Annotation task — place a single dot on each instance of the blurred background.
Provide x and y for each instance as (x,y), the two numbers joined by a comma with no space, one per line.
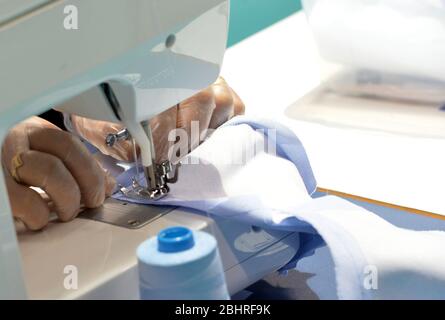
(250,16)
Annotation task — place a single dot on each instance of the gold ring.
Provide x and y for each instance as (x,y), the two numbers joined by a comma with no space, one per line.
(16,162)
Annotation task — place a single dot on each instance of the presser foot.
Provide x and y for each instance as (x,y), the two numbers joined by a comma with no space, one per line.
(156,175)
(158,182)
(152,194)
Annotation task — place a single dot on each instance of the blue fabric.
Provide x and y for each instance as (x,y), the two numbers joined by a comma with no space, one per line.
(249,210)
(246,209)
(289,147)
(356,238)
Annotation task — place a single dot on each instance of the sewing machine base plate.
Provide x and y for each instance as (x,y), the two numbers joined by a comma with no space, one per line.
(125,214)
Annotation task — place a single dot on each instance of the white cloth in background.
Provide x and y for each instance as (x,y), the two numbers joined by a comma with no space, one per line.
(397,36)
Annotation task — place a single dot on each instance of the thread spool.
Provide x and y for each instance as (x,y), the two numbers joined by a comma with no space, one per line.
(180,264)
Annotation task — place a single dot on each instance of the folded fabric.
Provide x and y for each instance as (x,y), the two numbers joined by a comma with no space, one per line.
(257,172)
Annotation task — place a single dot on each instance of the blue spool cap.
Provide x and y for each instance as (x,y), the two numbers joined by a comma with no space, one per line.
(175,239)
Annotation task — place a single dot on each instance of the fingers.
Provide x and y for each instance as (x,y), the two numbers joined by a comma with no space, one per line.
(110,181)
(41,155)
(161,126)
(95,132)
(228,103)
(75,157)
(238,104)
(26,204)
(194,115)
(15,143)
(209,108)
(122,150)
(64,196)
(224,106)
(48,172)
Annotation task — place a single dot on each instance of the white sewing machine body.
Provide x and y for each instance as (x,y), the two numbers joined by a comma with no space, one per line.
(104,254)
(160,51)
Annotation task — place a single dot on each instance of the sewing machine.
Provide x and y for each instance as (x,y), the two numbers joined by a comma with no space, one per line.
(126,62)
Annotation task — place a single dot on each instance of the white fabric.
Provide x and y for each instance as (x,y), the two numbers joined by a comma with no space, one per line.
(373,258)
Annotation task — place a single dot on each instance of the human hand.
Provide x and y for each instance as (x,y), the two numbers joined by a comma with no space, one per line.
(37,153)
(209,108)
